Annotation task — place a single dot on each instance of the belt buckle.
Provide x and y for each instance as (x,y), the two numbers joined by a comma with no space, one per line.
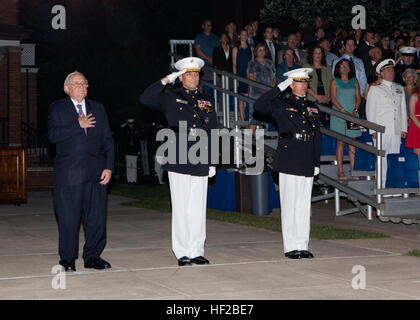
(299,136)
(306,137)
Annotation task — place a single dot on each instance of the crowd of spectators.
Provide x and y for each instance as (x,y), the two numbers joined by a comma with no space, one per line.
(265,54)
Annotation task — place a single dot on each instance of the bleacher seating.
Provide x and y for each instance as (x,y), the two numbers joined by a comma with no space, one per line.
(363,160)
(402,171)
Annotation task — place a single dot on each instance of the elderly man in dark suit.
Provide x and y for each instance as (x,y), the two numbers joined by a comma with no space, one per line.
(83,167)
(300,56)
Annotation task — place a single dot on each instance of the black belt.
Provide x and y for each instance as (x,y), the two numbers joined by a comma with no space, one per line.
(297,136)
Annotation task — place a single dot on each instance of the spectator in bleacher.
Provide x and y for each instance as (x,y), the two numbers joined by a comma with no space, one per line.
(338,42)
(241,55)
(329,56)
(417,45)
(299,39)
(364,46)
(345,96)
(292,43)
(222,55)
(319,87)
(276,36)
(272,47)
(349,47)
(230,30)
(377,39)
(262,70)
(408,56)
(385,105)
(287,65)
(358,36)
(395,33)
(399,43)
(204,45)
(250,30)
(310,35)
(258,37)
(319,33)
(410,78)
(205,42)
(413,136)
(387,52)
(375,55)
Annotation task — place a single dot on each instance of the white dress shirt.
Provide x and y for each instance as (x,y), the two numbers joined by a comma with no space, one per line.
(83,103)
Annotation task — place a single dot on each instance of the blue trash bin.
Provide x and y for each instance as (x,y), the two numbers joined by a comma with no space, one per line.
(260,194)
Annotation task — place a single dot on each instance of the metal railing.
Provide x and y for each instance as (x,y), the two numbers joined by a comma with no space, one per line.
(36,143)
(220,86)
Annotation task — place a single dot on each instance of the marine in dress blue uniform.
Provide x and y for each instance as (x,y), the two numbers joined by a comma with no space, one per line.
(297,156)
(188,181)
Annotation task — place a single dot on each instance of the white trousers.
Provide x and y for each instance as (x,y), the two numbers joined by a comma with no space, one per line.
(131,168)
(295,199)
(189,203)
(391,144)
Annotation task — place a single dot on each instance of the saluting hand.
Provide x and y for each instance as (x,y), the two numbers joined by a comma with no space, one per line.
(87,121)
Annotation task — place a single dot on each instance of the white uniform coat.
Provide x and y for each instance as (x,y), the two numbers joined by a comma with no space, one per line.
(386,106)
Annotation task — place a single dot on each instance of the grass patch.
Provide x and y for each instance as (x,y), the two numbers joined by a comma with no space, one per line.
(414,253)
(158,198)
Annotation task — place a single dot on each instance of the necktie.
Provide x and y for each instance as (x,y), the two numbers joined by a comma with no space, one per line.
(296,57)
(251,42)
(273,55)
(79,106)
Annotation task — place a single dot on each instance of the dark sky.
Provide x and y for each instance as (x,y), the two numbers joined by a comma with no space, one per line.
(121,46)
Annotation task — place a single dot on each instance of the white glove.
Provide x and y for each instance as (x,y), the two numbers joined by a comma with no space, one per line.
(283,85)
(316,171)
(212,172)
(172,77)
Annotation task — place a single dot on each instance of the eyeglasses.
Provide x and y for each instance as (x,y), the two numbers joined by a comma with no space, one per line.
(80,84)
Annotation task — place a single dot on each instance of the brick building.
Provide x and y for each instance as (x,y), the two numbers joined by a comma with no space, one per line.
(18,77)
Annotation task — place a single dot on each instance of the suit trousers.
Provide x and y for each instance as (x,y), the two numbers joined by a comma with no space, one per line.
(131,168)
(86,203)
(189,204)
(295,202)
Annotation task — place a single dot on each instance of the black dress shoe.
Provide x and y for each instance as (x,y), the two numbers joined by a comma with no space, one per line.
(97,263)
(68,265)
(183,261)
(295,254)
(200,260)
(306,254)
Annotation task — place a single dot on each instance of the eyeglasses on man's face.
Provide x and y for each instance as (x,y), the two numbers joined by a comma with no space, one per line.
(80,84)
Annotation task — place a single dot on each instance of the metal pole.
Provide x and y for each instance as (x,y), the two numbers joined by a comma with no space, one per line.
(369,208)
(224,100)
(378,170)
(191,50)
(227,103)
(216,103)
(172,57)
(235,89)
(337,200)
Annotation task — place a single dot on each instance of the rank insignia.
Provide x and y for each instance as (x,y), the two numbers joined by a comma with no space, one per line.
(181,101)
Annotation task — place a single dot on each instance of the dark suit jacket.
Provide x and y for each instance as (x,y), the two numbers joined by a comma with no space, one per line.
(362,51)
(79,157)
(276,50)
(220,61)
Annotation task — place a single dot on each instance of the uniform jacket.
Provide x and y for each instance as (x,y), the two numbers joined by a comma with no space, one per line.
(79,157)
(293,114)
(197,109)
(386,106)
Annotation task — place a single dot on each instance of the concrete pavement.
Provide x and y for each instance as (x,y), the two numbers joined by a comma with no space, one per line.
(246,263)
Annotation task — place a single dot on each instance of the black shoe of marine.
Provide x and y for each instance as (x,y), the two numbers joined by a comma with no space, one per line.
(69,265)
(200,260)
(97,263)
(306,254)
(184,261)
(295,254)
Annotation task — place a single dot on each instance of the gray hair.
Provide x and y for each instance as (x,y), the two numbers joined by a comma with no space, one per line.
(412,71)
(68,78)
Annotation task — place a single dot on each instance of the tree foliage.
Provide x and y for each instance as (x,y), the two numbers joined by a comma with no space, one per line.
(381,15)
